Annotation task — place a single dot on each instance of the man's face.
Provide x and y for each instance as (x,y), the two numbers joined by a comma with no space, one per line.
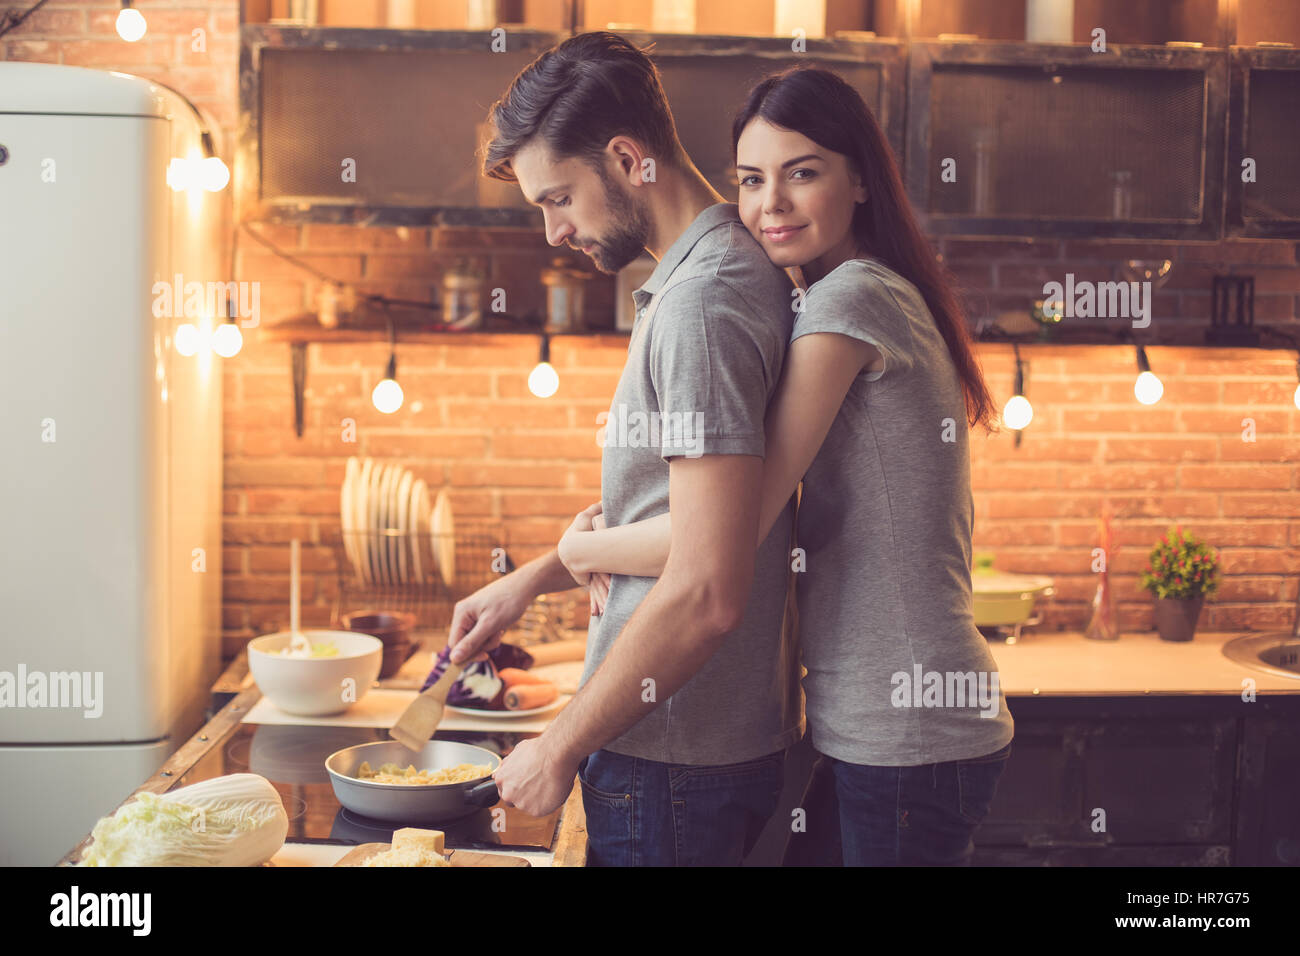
(583,209)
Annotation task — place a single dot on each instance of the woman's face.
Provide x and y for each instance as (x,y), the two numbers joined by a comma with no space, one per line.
(787,180)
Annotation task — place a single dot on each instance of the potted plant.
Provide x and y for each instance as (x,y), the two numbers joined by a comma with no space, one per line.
(1181,573)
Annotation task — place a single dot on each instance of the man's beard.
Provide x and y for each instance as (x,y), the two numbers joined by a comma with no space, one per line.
(629,233)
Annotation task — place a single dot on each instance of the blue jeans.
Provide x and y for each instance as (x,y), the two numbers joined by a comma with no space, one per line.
(914,816)
(646,813)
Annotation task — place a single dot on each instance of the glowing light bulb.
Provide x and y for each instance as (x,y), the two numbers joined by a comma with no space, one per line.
(1296,396)
(178,173)
(1148,388)
(387,396)
(543,381)
(130,24)
(187,339)
(227,340)
(1018,412)
(213,174)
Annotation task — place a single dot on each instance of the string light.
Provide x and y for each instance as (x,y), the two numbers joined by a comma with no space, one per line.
(1147,388)
(543,380)
(387,396)
(1018,413)
(131,25)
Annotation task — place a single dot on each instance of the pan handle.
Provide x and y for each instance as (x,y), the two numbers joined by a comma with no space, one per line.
(482,795)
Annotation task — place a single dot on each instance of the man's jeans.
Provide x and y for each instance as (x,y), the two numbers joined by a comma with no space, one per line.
(646,813)
(914,816)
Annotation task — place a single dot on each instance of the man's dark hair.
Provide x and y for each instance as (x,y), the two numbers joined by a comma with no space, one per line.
(577,97)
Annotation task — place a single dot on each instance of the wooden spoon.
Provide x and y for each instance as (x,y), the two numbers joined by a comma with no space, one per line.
(418,722)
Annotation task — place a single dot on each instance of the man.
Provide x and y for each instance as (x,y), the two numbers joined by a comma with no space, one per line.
(690,693)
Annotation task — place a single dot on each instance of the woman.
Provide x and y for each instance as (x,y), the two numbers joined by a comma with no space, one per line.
(879,379)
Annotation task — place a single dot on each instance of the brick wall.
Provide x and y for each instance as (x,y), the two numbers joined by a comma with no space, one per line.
(470,424)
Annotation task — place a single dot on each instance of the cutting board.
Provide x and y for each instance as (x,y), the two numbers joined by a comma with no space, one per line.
(358,855)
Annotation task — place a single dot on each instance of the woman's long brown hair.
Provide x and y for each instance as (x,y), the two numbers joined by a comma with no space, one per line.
(822,106)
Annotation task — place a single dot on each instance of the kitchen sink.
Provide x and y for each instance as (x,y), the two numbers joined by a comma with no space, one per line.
(1276,652)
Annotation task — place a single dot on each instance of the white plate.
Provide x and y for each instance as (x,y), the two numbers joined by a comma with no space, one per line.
(361,518)
(443,540)
(508,714)
(386,575)
(345,509)
(404,525)
(372,523)
(419,507)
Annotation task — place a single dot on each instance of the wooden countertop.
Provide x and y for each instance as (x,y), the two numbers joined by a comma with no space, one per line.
(1066,663)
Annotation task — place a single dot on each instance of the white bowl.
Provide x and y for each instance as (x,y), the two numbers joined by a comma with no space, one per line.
(316,686)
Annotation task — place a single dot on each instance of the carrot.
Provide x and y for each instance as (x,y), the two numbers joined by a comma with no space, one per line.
(528,696)
(516,675)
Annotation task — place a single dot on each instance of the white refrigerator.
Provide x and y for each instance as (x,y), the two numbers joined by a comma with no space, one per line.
(110,449)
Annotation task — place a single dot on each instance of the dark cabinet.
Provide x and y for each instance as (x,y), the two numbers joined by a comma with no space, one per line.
(1059,141)
(1167,781)
(1263,178)
(408,110)
(374,126)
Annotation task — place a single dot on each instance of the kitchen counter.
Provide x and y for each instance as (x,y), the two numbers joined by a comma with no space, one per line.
(1042,663)
(292,757)
(1042,666)
(1065,663)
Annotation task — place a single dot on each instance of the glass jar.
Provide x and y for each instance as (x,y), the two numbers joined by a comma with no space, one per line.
(564,296)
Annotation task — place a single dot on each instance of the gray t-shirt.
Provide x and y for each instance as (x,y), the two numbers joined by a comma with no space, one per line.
(886,516)
(713,323)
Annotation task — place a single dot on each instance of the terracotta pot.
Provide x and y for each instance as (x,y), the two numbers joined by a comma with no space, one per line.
(395,656)
(391,627)
(1176,617)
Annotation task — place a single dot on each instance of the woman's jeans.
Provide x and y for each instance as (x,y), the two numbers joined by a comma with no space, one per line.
(914,816)
(646,813)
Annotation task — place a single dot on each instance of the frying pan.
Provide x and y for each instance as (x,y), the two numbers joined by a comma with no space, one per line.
(407,803)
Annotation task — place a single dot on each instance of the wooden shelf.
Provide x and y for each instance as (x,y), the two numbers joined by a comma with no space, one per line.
(304,328)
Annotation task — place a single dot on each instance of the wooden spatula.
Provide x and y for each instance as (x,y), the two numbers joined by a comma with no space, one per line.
(418,722)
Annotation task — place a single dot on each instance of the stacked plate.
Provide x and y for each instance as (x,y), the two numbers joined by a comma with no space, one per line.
(392,534)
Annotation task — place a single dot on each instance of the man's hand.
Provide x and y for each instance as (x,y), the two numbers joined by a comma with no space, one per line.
(581,524)
(535,777)
(480,621)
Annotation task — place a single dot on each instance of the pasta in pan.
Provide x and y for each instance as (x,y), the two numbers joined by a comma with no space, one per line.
(393,774)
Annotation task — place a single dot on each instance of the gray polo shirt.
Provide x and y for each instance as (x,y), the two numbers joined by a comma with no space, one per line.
(713,323)
(895,662)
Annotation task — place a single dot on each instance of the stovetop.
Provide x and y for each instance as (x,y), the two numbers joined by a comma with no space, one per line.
(293,759)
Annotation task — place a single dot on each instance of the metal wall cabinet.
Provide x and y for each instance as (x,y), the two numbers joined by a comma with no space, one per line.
(1059,141)
(406,105)
(1264,126)
(403,105)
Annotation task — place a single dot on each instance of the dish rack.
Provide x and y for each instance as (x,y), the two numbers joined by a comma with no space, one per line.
(401,573)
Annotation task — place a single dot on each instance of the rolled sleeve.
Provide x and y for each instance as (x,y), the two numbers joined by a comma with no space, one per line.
(711,364)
